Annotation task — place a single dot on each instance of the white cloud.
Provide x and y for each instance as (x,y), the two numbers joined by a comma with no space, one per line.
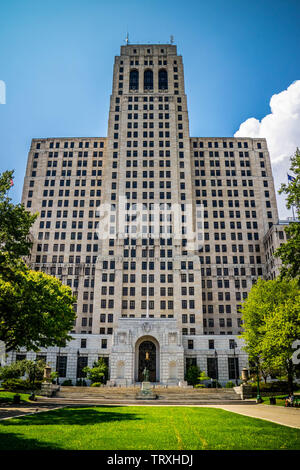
(281,127)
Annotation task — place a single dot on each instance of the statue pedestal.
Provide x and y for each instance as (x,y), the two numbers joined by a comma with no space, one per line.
(49,390)
(146,392)
(146,386)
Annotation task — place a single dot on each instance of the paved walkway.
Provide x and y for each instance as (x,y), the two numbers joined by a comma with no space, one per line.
(13,411)
(277,414)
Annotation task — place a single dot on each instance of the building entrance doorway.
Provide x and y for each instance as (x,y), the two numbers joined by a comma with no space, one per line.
(147,358)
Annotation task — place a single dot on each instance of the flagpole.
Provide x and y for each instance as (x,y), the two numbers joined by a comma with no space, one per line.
(292,204)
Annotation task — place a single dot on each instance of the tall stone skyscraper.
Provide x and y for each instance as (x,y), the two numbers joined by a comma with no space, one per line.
(159,234)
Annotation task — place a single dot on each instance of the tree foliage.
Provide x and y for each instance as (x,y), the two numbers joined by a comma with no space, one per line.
(15,222)
(36,310)
(98,372)
(192,375)
(289,252)
(33,370)
(271,317)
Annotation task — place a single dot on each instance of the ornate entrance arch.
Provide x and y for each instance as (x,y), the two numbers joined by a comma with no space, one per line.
(147,355)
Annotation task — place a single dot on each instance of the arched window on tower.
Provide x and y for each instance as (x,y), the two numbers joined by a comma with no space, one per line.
(148,80)
(163,79)
(134,80)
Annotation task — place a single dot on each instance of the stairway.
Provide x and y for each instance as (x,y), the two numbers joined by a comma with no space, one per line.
(127,395)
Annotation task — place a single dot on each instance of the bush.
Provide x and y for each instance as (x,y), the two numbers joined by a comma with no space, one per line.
(192,375)
(98,373)
(67,383)
(81,383)
(229,384)
(199,386)
(279,386)
(96,384)
(15,385)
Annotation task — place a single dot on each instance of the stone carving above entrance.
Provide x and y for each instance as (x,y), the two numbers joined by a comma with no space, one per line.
(122,338)
(172,338)
(146,327)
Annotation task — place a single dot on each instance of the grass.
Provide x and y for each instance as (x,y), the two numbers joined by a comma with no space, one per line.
(7,397)
(144,428)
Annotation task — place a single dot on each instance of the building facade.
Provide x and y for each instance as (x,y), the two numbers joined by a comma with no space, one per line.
(159,234)
(273,239)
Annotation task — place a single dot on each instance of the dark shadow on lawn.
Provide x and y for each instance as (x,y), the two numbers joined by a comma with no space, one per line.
(71,416)
(16,441)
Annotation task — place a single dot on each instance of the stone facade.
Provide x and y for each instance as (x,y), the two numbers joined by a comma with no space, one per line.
(182,269)
(273,239)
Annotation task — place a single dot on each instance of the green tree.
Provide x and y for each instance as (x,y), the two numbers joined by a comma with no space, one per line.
(98,372)
(289,252)
(203,376)
(15,222)
(36,310)
(192,375)
(34,370)
(282,329)
(272,303)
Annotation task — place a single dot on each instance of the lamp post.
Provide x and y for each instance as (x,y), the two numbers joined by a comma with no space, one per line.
(235,374)
(32,396)
(216,367)
(58,366)
(258,397)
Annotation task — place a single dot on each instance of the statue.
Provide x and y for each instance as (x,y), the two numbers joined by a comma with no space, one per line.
(146,375)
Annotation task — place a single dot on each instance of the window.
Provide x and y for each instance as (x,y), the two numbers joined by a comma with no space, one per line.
(212,367)
(190,344)
(233,368)
(82,362)
(163,79)
(148,80)
(61,366)
(134,80)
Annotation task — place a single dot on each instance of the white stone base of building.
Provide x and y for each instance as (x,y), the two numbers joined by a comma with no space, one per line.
(135,339)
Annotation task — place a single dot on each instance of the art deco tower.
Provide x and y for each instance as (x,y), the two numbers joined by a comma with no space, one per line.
(159,234)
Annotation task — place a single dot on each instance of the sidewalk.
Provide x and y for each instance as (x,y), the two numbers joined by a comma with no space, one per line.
(279,415)
(13,411)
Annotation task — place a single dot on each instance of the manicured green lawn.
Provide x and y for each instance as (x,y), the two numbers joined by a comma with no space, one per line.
(141,428)
(7,397)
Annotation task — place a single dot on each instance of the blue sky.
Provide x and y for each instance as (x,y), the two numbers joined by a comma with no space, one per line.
(56,59)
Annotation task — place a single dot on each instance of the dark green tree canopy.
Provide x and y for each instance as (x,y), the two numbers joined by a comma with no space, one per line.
(15,221)
(36,310)
(289,252)
(271,321)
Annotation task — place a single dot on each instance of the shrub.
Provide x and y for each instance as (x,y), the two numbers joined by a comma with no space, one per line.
(229,384)
(81,383)
(96,384)
(15,385)
(98,373)
(67,383)
(192,375)
(199,386)
(279,386)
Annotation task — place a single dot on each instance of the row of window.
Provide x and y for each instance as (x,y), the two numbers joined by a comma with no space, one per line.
(148,79)
(225,144)
(68,144)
